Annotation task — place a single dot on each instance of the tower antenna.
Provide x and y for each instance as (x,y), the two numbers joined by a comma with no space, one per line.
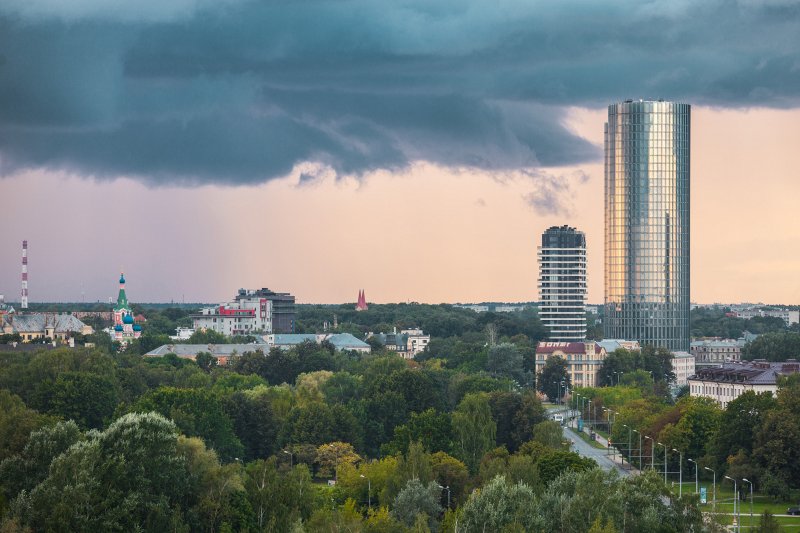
(23,299)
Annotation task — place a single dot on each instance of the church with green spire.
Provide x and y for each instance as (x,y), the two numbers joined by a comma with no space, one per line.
(124,328)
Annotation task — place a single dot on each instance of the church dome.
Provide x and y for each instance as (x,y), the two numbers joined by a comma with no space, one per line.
(118,327)
(128,319)
(137,327)
(122,278)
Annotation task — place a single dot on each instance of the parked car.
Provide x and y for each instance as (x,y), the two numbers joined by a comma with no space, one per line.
(793,511)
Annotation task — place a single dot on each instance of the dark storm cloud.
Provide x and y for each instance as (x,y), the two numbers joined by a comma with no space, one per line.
(240,91)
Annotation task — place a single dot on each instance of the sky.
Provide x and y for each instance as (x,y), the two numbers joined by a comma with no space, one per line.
(415,149)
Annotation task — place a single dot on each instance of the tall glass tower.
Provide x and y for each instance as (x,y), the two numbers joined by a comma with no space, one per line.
(562,283)
(647,223)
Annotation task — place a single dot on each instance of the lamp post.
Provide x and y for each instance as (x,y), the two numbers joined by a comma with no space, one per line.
(751,500)
(562,394)
(639,449)
(665,462)
(714,505)
(447,488)
(652,452)
(589,412)
(735,501)
(696,487)
(369,491)
(630,463)
(680,472)
(291,458)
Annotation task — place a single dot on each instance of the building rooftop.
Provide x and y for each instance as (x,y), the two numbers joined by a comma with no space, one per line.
(37,322)
(757,372)
(217,350)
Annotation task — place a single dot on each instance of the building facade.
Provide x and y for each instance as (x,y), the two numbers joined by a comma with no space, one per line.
(251,312)
(562,283)
(32,327)
(584,360)
(683,365)
(727,382)
(408,343)
(715,352)
(647,223)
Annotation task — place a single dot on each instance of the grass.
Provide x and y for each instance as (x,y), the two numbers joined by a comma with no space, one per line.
(586,438)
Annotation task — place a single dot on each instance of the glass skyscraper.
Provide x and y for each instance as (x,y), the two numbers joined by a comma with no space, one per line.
(562,283)
(647,223)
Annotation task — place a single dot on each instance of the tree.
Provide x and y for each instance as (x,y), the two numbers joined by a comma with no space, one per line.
(87,398)
(777,346)
(505,360)
(450,472)
(500,506)
(549,433)
(417,498)
(431,428)
(128,474)
(740,420)
(16,423)
(206,361)
(318,423)
(333,455)
(768,523)
(530,413)
(198,413)
(253,423)
(474,429)
(554,378)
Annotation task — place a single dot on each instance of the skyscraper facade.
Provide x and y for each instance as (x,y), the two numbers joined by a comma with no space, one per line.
(562,283)
(647,223)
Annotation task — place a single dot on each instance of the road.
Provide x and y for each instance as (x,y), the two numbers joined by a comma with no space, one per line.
(585,449)
(598,454)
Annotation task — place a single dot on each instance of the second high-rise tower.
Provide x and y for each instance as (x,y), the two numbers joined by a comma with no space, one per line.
(647,223)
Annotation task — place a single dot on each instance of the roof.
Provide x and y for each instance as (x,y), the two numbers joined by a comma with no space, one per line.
(37,322)
(609,345)
(291,339)
(346,341)
(566,347)
(718,343)
(750,372)
(217,350)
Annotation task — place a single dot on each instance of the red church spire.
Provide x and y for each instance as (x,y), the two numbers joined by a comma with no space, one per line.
(361,305)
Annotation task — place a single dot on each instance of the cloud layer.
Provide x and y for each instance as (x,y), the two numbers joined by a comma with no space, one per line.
(194,91)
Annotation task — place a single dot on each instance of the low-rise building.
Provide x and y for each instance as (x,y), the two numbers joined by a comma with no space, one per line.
(35,326)
(340,341)
(683,365)
(182,334)
(789,316)
(221,352)
(728,381)
(408,343)
(714,352)
(583,360)
(251,312)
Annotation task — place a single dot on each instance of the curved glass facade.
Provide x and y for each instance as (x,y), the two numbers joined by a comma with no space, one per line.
(562,283)
(647,223)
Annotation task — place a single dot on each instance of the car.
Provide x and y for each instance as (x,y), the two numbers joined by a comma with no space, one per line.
(795,511)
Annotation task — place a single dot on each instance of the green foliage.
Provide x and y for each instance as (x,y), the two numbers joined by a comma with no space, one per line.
(554,380)
(16,423)
(318,423)
(657,361)
(498,505)
(431,428)
(713,322)
(474,429)
(417,498)
(505,360)
(777,346)
(768,523)
(89,399)
(196,412)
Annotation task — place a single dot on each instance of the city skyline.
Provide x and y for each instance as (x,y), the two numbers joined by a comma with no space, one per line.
(287,157)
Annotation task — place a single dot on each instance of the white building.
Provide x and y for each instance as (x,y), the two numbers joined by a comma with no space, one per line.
(182,334)
(562,283)
(683,367)
(584,360)
(408,343)
(789,316)
(251,312)
(725,383)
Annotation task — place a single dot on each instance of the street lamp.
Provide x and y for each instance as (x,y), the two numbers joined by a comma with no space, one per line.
(630,463)
(590,414)
(735,507)
(369,491)
(447,488)
(665,462)
(696,489)
(751,500)
(652,452)
(680,472)
(714,505)
(639,449)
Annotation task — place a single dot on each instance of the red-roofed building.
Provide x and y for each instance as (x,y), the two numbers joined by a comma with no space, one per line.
(583,360)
